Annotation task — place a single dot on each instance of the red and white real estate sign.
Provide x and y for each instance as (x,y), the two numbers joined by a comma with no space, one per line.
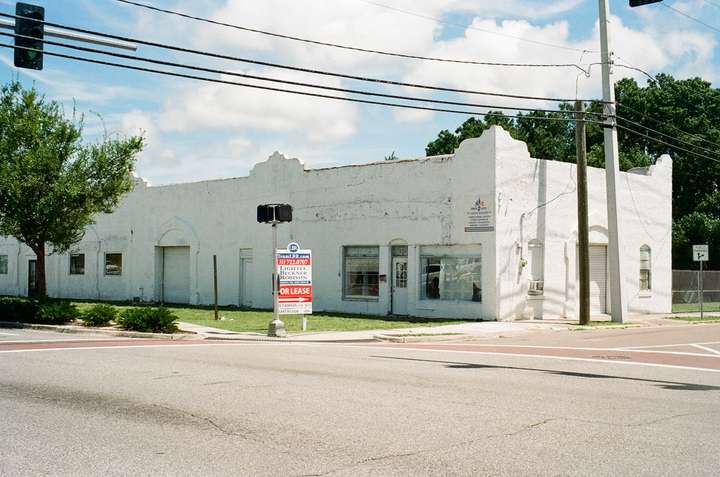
(294,268)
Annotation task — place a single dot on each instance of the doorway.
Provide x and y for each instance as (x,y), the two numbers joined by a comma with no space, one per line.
(399,285)
(32,278)
(176,275)
(598,279)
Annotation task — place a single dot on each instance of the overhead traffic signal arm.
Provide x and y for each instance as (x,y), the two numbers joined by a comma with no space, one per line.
(638,3)
(30,32)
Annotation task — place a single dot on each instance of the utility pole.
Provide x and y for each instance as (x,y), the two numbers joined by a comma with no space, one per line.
(612,173)
(582,205)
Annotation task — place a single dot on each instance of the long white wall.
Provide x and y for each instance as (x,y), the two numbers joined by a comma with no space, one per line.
(424,202)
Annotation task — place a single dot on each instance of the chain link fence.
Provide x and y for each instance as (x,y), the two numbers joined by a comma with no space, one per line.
(686,294)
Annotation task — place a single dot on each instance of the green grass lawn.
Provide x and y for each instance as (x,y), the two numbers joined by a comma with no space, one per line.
(686,307)
(257,320)
(695,318)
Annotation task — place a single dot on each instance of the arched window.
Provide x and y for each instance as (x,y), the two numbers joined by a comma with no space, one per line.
(645,273)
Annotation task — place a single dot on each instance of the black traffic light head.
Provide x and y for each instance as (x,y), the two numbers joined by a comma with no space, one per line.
(30,31)
(283,213)
(638,3)
(274,213)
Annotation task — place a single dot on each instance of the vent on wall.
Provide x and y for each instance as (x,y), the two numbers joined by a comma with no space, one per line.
(536,287)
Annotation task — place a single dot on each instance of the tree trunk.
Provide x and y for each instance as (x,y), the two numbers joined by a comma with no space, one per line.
(40,281)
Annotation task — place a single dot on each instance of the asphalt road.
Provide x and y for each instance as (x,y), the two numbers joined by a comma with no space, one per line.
(304,409)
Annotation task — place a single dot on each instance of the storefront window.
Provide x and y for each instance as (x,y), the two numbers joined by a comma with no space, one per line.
(454,278)
(361,271)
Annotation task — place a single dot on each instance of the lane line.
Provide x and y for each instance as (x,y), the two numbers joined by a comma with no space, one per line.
(568,348)
(561,358)
(709,350)
(668,345)
(377,348)
(7,334)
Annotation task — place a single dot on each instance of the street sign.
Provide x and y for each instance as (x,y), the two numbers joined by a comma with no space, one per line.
(294,268)
(701,253)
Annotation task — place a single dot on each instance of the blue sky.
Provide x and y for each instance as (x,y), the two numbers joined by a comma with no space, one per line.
(198,131)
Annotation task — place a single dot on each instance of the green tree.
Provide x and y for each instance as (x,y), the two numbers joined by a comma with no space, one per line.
(51,182)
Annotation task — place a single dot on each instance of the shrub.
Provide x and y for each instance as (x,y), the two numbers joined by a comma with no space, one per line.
(99,315)
(18,309)
(156,320)
(56,313)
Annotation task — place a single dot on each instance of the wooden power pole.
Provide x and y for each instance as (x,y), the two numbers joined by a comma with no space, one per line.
(582,204)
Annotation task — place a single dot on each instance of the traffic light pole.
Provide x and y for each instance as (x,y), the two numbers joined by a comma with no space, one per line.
(276,327)
(612,173)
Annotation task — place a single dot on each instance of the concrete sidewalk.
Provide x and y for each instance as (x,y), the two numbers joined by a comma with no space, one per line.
(467,330)
(461,331)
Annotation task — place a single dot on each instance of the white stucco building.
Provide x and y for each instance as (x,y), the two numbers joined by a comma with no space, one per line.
(475,235)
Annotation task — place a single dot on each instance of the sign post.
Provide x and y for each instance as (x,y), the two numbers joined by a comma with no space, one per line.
(700,254)
(295,279)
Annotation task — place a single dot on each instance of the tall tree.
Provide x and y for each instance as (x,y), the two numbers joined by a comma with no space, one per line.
(51,182)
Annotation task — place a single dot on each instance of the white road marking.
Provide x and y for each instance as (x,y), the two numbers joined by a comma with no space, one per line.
(633,348)
(7,334)
(709,350)
(378,348)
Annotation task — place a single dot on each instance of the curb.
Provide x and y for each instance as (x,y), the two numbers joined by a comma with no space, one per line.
(286,340)
(421,339)
(118,333)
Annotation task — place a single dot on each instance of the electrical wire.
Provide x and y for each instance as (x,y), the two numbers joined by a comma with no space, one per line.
(470,27)
(301,93)
(287,82)
(293,68)
(354,48)
(680,12)
(664,123)
(709,151)
(678,148)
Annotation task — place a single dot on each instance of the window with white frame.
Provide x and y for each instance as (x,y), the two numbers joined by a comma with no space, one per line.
(77,264)
(451,273)
(645,273)
(361,270)
(3,264)
(113,264)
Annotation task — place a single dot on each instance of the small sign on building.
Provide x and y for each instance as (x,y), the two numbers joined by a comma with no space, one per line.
(294,267)
(701,253)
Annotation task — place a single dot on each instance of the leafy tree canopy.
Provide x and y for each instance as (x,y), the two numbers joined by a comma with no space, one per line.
(51,182)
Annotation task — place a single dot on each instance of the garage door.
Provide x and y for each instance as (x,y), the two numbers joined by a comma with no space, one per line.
(598,279)
(176,274)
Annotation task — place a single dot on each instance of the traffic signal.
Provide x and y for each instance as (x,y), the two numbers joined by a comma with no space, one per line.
(32,29)
(637,3)
(274,213)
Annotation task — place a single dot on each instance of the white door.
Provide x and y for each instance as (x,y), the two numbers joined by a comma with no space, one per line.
(244,296)
(399,286)
(176,274)
(598,279)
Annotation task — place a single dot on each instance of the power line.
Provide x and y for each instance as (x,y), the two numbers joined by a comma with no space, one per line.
(672,126)
(301,93)
(287,82)
(680,12)
(295,68)
(440,20)
(347,47)
(666,135)
(678,148)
